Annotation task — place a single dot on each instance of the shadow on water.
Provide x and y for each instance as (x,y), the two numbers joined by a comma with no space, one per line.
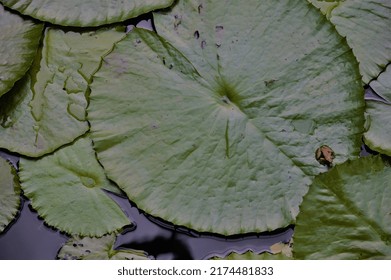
(166,241)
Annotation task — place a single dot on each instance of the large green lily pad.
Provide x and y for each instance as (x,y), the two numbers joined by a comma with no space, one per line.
(19,39)
(378,117)
(87,12)
(214,124)
(347,213)
(366,25)
(46,109)
(86,248)
(9,193)
(66,189)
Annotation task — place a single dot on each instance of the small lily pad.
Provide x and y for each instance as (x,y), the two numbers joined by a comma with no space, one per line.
(278,251)
(87,12)
(9,193)
(66,189)
(19,40)
(86,248)
(347,213)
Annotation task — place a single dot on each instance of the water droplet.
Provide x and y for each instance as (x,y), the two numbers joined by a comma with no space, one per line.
(155,125)
(177,21)
(200,8)
(87,181)
(203,44)
(128,228)
(196,34)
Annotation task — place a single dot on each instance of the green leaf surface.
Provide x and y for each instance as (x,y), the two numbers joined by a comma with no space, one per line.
(86,248)
(9,193)
(87,12)
(366,25)
(378,115)
(278,251)
(347,213)
(46,109)
(214,124)
(252,256)
(66,189)
(19,39)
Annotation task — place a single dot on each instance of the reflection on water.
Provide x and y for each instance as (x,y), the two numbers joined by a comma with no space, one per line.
(28,238)
(164,241)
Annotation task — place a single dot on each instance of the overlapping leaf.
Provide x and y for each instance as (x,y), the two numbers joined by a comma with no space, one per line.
(278,251)
(9,193)
(102,248)
(216,121)
(378,118)
(46,109)
(347,213)
(366,25)
(87,12)
(66,189)
(19,39)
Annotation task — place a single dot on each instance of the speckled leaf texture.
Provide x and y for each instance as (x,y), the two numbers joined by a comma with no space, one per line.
(366,25)
(9,193)
(87,12)
(214,124)
(347,213)
(378,115)
(103,248)
(66,189)
(19,39)
(46,109)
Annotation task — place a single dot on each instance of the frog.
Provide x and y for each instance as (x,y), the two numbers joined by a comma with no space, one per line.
(325,155)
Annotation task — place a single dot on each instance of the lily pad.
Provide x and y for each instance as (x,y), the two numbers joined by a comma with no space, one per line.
(347,213)
(19,40)
(86,248)
(9,193)
(214,124)
(66,189)
(85,13)
(378,117)
(278,251)
(46,109)
(366,25)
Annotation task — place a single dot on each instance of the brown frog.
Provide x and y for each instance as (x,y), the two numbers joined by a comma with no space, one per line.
(325,155)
